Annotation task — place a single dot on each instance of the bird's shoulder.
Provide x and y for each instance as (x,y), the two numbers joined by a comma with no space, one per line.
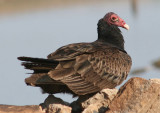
(71,51)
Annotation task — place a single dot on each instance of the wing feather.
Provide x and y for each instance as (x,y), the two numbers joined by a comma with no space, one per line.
(113,65)
(85,69)
(70,51)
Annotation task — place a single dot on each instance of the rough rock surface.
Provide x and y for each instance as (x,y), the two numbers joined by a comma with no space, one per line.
(51,99)
(99,102)
(136,96)
(58,108)
(155,81)
(53,104)
(20,109)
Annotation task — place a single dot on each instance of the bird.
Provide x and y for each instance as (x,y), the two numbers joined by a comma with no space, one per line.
(84,68)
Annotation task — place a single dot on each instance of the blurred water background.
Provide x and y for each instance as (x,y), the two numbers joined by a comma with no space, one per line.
(36,28)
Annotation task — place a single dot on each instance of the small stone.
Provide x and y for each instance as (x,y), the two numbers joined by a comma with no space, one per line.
(51,99)
(155,80)
(58,108)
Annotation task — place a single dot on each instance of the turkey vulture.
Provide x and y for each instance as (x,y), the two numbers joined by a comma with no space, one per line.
(84,68)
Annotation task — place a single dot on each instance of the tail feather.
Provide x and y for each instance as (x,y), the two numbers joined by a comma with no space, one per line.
(41,60)
(39,65)
(40,77)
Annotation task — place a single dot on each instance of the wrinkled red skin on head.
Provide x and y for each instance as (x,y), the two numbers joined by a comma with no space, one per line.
(108,19)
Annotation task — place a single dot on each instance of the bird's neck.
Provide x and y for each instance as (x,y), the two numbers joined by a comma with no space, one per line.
(110,34)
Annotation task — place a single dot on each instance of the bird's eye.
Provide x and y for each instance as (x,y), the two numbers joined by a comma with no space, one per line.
(114,19)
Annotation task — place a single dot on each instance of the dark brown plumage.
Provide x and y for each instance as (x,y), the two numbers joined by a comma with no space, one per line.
(84,68)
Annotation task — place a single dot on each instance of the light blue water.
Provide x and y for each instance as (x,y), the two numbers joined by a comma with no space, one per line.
(37,34)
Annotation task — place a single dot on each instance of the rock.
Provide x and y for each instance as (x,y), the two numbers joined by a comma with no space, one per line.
(155,80)
(137,96)
(58,108)
(20,109)
(50,105)
(51,99)
(99,102)
(53,104)
(94,102)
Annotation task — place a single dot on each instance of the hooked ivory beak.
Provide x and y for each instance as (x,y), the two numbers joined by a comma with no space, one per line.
(126,26)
